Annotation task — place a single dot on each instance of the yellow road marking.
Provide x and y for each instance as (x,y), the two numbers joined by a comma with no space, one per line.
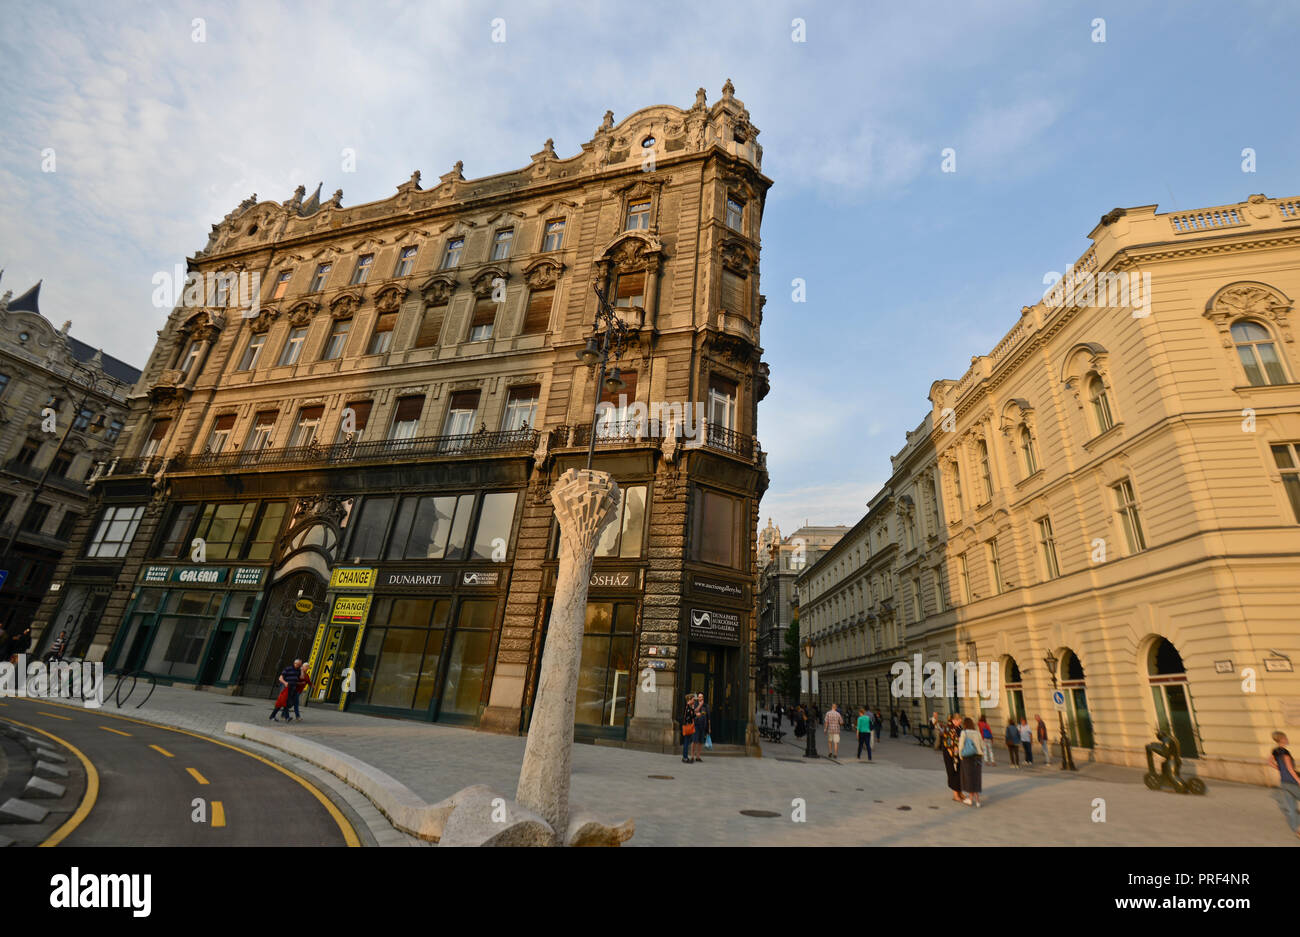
(218,814)
(116,731)
(87,800)
(350,837)
(52,716)
(198,777)
(162,751)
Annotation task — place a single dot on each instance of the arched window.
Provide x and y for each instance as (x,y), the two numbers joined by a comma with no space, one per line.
(1027,451)
(1072,683)
(1173,700)
(986,471)
(1100,404)
(1258,354)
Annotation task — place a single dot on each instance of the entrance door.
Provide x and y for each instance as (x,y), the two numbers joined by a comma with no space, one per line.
(285,633)
(711,671)
(218,651)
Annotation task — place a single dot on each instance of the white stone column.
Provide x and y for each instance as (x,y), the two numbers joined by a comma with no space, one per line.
(584,501)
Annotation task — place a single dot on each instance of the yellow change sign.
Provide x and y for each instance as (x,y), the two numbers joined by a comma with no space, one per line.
(350,609)
(352,577)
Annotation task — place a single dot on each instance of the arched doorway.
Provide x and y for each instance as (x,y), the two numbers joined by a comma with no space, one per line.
(1076,700)
(1014,685)
(1172,696)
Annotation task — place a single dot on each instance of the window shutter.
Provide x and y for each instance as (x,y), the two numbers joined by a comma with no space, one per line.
(735,293)
(386,322)
(226,422)
(408,408)
(539,312)
(485,313)
(361,411)
(464,400)
(159,430)
(430,327)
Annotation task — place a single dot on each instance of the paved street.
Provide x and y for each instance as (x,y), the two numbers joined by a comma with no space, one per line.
(146,779)
(898,799)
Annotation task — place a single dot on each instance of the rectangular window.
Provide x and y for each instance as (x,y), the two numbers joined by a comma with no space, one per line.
(259,437)
(630,290)
(1047,548)
(321,275)
(735,214)
(1287,459)
(4,382)
(427,526)
(252,351)
(722,403)
(735,293)
(361,272)
(941,580)
(68,521)
(156,437)
(521,408)
(986,472)
(304,433)
(220,434)
(282,284)
(338,338)
(114,430)
(918,610)
(266,530)
(191,356)
(369,529)
(496,518)
(608,655)
(538,317)
(27,454)
(501,243)
(405,261)
(485,317)
(554,238)
(360,417)
(406,417)
(292,346)
(452,256)
(381,339)
(117,526)
(964,572)
(718,528)
(430,326)
(623,536)
(638,215)
(1126,507)
(224,528)
(36,517)
(995,565)
(175,540)
(59,467)
(460,413)
(83,419)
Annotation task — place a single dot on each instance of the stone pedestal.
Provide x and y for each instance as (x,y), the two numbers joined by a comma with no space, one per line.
(584,500)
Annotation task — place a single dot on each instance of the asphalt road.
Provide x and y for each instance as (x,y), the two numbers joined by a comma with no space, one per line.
(148,778)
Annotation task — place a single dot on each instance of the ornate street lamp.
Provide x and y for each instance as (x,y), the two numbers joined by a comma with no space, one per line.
(1067,761)
(613,335)
(811,750)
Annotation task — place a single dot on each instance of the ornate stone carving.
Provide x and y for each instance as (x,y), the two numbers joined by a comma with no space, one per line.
(738,257)
(543,274)
(390,298)
(1248,300)
(262,321)
(302,312)
(437,290)
(483,283)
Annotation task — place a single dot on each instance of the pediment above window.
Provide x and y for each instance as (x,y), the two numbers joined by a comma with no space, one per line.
(390,298)
(300,313)
(437,290)
(543,274)
(1248,299)
(484,283)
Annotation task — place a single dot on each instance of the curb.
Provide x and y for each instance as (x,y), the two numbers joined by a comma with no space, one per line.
(402,807)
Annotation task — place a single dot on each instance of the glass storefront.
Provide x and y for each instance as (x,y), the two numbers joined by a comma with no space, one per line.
(605,680)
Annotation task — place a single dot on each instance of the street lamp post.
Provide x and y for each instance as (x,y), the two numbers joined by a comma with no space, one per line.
(811,750)
(613,332)
(96,427)
(1067,760)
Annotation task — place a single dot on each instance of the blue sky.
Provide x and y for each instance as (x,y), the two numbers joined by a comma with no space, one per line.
(910,271)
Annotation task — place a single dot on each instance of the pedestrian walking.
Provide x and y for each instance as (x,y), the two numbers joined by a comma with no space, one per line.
(688,727)
(1288,791)
(304,683)
(1041,731)
(60,645)
(986,740)
(905,724)
(969,742)
(876,723)
(864,732)
(1027,740)
(288,679)
(1013,744)
(948,747)
(834,722)
(797,719)
(701,726)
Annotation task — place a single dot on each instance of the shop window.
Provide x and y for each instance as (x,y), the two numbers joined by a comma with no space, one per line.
(224,528)
(467,658)
(496,518)
(623,536)
(1073,684)
(117,526)
(398,667)
(605,672)
(717,528)
(267,530)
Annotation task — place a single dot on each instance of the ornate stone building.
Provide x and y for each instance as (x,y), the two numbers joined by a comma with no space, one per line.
(1120,485)
(48,455)
(357,467)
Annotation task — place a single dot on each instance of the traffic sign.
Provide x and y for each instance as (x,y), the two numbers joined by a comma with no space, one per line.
(4,574)
(1058,700)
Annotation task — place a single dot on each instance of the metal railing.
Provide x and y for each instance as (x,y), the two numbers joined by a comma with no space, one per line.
(632,432)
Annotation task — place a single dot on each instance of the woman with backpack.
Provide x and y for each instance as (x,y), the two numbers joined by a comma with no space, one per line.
(969,744)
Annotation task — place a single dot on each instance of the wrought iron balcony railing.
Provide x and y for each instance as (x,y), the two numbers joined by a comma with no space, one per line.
(631,432)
